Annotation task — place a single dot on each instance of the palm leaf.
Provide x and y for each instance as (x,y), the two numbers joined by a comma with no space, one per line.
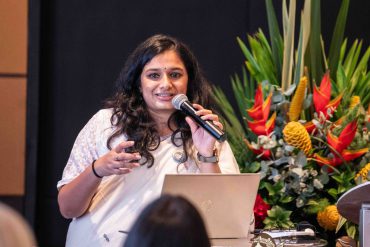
(304,35)
(352,58)
(235,131)
(341,82)
(316,62)
(361,68)
(343,49)
(289,22)
(262,54)
(337,39)
(275,37)
(251,62)
(240,93)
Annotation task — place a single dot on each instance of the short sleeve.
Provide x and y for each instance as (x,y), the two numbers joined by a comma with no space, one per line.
(227,161)
(84,150)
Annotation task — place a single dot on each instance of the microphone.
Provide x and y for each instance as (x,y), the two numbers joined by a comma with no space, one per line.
(181,102)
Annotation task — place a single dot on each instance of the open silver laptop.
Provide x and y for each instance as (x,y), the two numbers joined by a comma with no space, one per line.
(224,200)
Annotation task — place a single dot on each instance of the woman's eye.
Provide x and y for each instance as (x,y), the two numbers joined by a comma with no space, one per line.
(175,75)
(153,75)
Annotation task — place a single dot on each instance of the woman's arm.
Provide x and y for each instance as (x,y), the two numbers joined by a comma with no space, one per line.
(74,198)
(203,141)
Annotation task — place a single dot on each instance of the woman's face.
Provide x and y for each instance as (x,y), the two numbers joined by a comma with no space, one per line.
(162,78)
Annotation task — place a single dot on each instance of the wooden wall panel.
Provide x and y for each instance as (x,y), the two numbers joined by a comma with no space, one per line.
(13,36)
(12,135)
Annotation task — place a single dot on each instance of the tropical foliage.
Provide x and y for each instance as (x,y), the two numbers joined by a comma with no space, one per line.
(302,119)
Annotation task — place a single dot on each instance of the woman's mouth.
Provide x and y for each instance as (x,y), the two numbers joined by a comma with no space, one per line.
(165,96)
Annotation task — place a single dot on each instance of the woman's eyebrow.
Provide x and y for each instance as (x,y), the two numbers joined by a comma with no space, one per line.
(166,68)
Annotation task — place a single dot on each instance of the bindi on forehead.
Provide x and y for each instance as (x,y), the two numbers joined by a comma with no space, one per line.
(165,69)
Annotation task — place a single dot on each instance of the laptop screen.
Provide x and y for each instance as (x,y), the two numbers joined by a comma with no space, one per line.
(225,201)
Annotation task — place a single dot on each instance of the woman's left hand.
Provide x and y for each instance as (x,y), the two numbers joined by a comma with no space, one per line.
(203,141)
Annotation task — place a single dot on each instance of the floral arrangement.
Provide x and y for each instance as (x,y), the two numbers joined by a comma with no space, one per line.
(304,120)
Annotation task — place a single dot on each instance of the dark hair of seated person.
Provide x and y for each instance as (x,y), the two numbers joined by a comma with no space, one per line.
(168,221)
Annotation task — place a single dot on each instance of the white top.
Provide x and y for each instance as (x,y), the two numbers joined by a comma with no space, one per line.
(120,198)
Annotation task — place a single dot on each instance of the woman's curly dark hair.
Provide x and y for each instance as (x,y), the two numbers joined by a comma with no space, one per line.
(130,113)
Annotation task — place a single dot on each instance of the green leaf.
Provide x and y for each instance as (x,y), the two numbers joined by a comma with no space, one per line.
(286,199)
(286,74)
(351,231)
(253,65)
(275,36)
(299,65)
(351,59)
(253,167)
(262,55)
(278,218)
(234,129)
(354,63)
(341,223)
(316,65)
(338,178)
(315,206)
(342,80)
(337,39)
(270,189)
(241,100)
(333,192)
(365,92)
(361,67)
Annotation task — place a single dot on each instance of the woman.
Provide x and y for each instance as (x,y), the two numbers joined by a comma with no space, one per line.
(119,159)
(169,221)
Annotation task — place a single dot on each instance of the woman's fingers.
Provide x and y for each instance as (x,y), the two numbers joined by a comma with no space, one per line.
(117,161)
(125,168)
(206,114)
(126,157)
(218,124)
(120,157)
(121,171)
(192,124)
(125,160)
(121,147)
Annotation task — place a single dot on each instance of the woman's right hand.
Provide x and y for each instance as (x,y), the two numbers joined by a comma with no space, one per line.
(75,197)
(117,161)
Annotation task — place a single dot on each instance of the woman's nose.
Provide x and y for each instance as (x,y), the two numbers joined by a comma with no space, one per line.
(166,82)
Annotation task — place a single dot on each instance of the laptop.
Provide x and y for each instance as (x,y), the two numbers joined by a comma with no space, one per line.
(225,201)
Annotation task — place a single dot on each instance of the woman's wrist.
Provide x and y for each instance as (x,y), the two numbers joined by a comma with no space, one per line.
(94,171)
(207,151)
(213,158)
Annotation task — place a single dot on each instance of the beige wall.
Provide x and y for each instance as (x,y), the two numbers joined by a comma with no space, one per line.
(13,85)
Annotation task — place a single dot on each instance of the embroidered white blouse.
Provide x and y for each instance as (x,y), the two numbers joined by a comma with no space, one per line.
(120,198)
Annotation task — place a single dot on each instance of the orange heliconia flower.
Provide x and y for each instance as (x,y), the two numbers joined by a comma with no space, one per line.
(321,100)
(339,144)
(321,96)
(259,113)
(261,125)
(264,153)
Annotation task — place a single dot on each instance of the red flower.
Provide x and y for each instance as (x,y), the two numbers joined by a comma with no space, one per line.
(339,144)
(265,153)
(259,113)
(261,125)
(321,100)
(321,96)
(260,211)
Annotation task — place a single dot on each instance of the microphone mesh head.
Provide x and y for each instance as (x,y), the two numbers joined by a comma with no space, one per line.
(178,100)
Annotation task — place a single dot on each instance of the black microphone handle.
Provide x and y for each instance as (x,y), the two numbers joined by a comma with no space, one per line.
(205,124)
